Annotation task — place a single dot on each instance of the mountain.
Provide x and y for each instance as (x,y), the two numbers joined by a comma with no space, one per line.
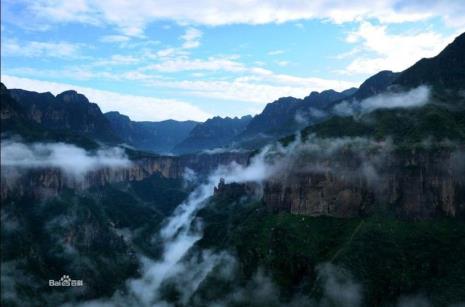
(364,210)
(273,117)
(288,114)
(213,133)
(70,117)
(158,137)
(443,118)
(68,111)
(446,70)
(13,115)
(375,84)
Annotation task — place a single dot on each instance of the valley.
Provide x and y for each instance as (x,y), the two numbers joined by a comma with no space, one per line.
(350,198)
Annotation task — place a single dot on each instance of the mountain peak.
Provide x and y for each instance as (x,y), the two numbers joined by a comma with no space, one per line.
(376,84)
(446,70)
(71,96)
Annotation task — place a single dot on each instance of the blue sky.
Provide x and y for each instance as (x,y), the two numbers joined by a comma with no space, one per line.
(156,59)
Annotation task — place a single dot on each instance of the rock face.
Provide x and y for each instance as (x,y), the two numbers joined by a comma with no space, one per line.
(408,184)
(49,182)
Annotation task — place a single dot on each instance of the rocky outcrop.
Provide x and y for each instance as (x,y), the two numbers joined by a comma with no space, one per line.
(409,184)
(48,182)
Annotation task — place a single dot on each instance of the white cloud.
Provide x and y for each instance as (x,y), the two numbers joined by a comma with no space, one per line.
(191,38)
(131,17)
(114,39)
(185,64)
(136,107)
(64,50)
(70,159)
(416,97)
(275,52)
(254,88)
(249,83)
(379,50)
(117,59)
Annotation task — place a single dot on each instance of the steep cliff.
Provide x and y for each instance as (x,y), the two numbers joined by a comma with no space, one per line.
(413,183)
(47,182)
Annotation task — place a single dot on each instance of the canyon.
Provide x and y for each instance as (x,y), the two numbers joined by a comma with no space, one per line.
(49,182)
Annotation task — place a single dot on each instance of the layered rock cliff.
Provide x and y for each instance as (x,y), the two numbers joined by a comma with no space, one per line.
(412,184)
(46,182)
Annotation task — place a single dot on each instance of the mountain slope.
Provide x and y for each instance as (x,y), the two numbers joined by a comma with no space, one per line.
(158,137)
(442,118)
(447,69)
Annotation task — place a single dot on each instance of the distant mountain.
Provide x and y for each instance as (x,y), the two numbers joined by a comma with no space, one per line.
(288,114)
(215,132)
(66,112)
(158,137)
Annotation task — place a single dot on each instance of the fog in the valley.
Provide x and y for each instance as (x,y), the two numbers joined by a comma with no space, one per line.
(184,266)
(17,156)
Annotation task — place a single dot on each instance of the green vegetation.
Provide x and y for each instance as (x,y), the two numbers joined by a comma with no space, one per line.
(91,235)
(389,258)
(404,126)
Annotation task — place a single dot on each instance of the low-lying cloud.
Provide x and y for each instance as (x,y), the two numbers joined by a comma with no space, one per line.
(70,159)
(416,97)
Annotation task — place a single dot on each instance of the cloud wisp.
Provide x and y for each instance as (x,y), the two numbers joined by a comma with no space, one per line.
(416,97)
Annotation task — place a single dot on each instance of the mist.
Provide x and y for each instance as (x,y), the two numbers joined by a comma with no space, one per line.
(70,159)
(184,267)
(416,97)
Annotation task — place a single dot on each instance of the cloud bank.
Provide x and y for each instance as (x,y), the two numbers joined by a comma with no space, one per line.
(131,18)
(70,159)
